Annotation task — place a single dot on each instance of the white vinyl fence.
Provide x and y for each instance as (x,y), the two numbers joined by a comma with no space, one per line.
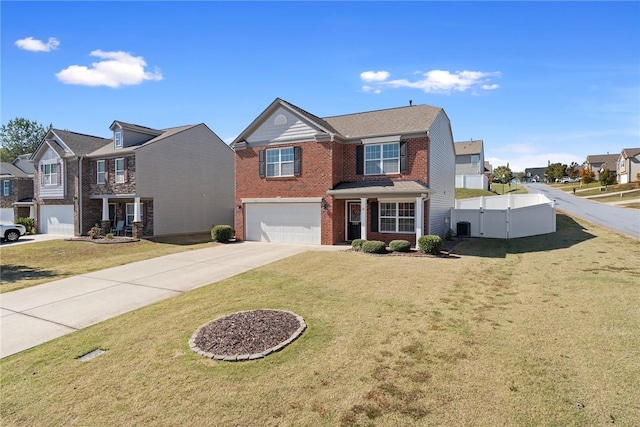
(472,181)
(506,217)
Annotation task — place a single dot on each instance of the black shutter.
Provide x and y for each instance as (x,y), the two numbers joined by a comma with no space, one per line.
(403,156)
(261,167)
(360,159)
(296,160)
(374,216)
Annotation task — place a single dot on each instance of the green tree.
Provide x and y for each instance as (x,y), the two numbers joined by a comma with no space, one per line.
(503,173)
(607,177)
(20,136)
(573,170)
(555,171)
(520,176)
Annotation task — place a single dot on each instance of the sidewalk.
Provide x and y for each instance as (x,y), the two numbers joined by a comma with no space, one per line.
(35,315)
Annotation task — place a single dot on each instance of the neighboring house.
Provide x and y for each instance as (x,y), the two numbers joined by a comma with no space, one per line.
(16,189)
(377,175)
(159,181)
(470,165)
(628,165)
(599,162)
(535,175)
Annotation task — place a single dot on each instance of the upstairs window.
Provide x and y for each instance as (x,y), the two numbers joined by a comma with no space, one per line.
(120,171)
(475,159)
(277,162)
(621,164)
(397,217)
(117,139)
(380,159)
(101,172)
(50,174)
(6,188)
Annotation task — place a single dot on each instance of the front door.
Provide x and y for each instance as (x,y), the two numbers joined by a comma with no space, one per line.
(353,220)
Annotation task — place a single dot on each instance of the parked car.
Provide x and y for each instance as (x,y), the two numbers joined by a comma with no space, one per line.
(567,180)
(12,232)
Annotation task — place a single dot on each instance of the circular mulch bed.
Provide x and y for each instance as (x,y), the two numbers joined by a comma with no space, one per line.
(247,335)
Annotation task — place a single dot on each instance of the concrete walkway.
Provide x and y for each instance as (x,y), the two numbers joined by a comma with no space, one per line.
(35,315)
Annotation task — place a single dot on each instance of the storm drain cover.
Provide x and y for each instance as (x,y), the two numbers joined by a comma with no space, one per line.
(90,355)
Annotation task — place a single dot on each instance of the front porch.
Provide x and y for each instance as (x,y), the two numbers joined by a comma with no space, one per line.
(127,215)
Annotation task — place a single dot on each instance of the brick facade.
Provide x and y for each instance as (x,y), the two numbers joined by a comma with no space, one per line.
(323,166)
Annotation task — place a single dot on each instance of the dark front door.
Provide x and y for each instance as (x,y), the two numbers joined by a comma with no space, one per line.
(353,220)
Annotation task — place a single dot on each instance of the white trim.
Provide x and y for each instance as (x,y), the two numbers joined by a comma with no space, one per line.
(397,217)
(115,166)
(104,171)
(115,139)
(381,139)
(364,224)
(279,163)
(284,200)
(381,159)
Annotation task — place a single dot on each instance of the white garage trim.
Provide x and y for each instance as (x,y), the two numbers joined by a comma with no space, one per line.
(285,200)
(57,220)
(6,215)
(283,222)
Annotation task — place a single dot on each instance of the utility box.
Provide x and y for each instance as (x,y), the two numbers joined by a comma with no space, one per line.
(463,229)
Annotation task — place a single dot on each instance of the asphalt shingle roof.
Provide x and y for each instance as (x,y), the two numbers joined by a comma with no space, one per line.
(9,169)
(468,147)
(79,143)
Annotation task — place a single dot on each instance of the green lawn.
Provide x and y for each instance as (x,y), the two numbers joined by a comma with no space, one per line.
(35,263)
(466,193)
(539,331)
(608,189)
(618,197)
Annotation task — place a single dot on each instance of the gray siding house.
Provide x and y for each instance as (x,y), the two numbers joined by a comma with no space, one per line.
(470,165)
(599,162)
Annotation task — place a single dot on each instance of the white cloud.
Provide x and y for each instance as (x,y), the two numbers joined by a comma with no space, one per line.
(436,81)
(370,89)
(116,69)
(374,76)
(35,45)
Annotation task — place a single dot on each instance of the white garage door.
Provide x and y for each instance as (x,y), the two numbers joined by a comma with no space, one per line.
(283,222)
(56,220)
(6,215)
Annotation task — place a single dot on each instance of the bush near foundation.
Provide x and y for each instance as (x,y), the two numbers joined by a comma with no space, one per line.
(400,245)
(430,244)
(222,233)
(374,247)
(356,244)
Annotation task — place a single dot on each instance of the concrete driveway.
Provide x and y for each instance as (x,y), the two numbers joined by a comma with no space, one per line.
(34,238)
(35,315)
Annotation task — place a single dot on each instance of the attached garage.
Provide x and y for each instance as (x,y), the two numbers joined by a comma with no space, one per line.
(56,220)
(6,215)
(284,222)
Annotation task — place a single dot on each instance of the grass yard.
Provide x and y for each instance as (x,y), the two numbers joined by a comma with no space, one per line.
(527,332)
(467,193)
(36,263)
(617,197)
(609,189)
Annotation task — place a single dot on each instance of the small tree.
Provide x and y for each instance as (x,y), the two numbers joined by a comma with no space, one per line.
(607,177)
(573,171)
(503,174)
(587,176)
(555,171)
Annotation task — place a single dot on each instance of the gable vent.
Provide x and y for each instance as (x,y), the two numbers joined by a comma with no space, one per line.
(280,119)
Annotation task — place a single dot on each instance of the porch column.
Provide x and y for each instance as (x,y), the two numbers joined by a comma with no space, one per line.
(105,209)
(419,218)
(136,232)
(136,210)
(363,218)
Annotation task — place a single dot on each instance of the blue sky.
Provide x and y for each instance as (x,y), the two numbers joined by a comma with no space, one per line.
(537,81)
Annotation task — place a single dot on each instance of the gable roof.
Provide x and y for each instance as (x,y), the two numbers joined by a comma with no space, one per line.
(607,161)
(11,170)
(109,149)
(136,128)
(79,144)
(468,147)
(400,120)
(630,152)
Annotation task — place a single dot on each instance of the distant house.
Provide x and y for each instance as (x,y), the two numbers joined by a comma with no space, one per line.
(535,175)
(376,175)
(157,181)
(628,165)
(470,165)
(599,162)
(488,172)
(16,189)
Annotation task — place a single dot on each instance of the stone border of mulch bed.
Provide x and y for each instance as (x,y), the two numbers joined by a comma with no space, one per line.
(246,357)
(103,240)
(446,252)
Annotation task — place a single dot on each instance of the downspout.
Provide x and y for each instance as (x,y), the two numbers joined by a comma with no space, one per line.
(80,195)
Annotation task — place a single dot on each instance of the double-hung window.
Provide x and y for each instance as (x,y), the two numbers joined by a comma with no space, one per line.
(101,172)
(280,162)
(50,174)
(380,159)
(117,139)
(6,187)
(475,159)
(120,171)
(397,217)
(130,211)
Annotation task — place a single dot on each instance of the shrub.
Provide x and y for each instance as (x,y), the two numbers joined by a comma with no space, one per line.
(109,236)
(222,233)
(430,244)
(356,244)
(400,246)
(28,223)
(449,235)
(95,232)
(374,247)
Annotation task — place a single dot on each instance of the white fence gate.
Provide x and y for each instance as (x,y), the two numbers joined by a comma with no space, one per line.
(472,181)
(506,217)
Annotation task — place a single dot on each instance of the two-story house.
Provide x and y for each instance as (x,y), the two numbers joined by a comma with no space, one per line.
(376,175)
(628,165)
(470,165)
(597,163)
(16,189)
(156,181)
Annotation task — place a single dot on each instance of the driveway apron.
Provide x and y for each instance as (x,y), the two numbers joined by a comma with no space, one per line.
(35,315)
